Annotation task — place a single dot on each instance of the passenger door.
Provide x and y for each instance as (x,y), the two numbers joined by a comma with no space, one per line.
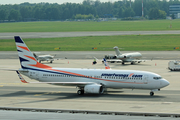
(145,80)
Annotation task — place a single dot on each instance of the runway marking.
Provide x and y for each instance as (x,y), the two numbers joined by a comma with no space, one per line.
(38,94)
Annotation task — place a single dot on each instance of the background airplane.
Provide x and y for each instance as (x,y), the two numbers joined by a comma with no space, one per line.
(126,57)
(87,80)
(47,58)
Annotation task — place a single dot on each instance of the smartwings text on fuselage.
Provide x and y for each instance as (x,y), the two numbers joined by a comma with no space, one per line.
(121,75)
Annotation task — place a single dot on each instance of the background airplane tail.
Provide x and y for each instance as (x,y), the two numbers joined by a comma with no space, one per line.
(27,59)
(106,64)
(117,50)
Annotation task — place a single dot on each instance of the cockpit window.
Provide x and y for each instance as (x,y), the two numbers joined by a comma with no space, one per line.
(157,78)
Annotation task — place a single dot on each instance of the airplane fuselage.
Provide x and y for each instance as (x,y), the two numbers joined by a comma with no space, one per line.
(109,78)
(128,57)
(45,57)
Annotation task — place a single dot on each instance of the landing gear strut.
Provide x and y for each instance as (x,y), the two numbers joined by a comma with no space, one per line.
(151,93)
(80,92)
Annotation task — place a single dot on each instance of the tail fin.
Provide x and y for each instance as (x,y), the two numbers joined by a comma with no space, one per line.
(27,59)
(106,64)
(117,50)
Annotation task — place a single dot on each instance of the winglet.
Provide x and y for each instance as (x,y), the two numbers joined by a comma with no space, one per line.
(106,64)
(21,78)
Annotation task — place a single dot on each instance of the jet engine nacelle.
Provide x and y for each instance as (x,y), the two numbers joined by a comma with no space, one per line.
(94,88)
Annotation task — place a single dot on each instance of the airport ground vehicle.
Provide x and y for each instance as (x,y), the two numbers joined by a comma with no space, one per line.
(174,65)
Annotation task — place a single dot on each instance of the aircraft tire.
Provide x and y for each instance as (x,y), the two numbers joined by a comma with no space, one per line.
(132,63)
(80,92)
(50,61)
(151,93)
(122,63)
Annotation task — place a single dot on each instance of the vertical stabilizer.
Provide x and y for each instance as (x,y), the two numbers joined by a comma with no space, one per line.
(27,59)
(117,51)
(106,64)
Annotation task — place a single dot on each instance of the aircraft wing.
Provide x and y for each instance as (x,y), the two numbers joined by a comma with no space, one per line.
(63,83)
(56,83)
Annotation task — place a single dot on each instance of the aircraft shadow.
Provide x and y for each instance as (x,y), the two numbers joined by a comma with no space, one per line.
(130,65)
(174,71)
(63,96)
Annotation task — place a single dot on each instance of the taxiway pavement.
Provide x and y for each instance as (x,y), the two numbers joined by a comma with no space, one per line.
(78,34)
(146,55)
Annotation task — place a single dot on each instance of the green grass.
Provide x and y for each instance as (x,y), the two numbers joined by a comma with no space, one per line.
(147,25)
(103,43)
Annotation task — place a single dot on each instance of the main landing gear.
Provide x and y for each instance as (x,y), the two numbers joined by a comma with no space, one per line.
(80,92)
(151,93)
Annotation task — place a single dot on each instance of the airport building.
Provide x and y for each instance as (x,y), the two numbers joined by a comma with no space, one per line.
(174,9)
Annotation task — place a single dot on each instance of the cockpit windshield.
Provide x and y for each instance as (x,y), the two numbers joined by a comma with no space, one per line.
(157,78)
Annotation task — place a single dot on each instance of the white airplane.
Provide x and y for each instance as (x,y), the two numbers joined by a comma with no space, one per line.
(47,58)
(87,80)
(126,57)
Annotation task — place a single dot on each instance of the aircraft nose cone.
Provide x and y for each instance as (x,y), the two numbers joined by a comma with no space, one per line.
(164,83)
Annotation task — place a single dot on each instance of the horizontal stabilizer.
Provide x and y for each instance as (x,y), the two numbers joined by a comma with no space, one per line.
(21,70)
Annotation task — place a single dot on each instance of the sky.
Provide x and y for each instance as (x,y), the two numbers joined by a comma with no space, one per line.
(2,2)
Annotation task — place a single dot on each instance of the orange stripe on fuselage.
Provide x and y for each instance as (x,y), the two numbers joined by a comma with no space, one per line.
(66,72)
(25,48)
(80,75)
(39,65)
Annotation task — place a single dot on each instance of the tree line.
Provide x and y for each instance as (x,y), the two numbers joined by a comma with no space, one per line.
(88,9)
